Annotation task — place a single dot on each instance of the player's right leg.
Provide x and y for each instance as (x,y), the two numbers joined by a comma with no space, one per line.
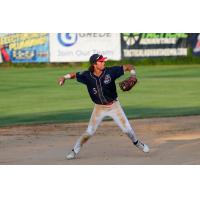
(96,118)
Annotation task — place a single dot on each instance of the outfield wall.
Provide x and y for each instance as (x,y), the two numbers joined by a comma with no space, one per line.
(25,47)
(77,47)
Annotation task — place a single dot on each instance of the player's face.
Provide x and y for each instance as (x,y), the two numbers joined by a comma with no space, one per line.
(100,65)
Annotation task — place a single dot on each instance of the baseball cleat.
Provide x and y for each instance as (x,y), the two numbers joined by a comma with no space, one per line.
(71,155)
(142,146)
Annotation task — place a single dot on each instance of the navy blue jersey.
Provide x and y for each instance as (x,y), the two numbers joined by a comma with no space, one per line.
(102,89)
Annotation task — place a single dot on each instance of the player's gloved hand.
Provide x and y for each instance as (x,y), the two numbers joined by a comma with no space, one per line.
(128,84)
(61,81)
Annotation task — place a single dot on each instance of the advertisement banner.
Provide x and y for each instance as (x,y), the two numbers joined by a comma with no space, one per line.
(78,47)
(24,47)
(195,40)
(143,45)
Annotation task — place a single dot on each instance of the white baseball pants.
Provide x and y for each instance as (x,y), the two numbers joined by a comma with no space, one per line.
(114,111)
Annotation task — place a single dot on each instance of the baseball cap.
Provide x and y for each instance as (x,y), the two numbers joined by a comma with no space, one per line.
(96,57)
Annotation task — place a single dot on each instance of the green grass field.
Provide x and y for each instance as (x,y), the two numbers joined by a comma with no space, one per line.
(32,95)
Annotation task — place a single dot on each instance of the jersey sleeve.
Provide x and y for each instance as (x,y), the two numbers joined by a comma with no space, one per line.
(81,77)
(117,71)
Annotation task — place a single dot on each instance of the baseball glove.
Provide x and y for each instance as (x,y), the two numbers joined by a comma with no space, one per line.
(128,84)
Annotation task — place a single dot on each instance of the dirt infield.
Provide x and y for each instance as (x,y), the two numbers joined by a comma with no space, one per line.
(171,141)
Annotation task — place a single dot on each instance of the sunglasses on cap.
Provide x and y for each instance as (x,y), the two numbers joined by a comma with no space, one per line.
(101,59)
(97,58)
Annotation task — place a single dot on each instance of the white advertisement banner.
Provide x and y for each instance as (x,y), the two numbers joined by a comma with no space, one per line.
(78,47)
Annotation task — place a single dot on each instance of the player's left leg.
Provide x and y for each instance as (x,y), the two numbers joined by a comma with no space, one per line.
(120,118)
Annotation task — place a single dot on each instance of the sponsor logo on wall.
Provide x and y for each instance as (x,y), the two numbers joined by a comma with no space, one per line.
(141,45)
(77,47)
(24,47)
(196,44)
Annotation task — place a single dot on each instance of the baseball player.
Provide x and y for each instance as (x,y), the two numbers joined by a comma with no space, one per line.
(100,82)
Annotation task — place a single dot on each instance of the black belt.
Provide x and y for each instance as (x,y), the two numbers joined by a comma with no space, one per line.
(110,103)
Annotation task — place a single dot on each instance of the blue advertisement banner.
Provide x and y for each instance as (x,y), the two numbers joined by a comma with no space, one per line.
(24,47)
(195,41)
